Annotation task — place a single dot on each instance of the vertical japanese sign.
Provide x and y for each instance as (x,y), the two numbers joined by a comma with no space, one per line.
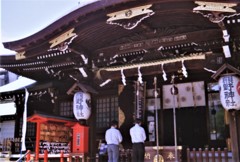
(230,92)
(140,90)
(82,105)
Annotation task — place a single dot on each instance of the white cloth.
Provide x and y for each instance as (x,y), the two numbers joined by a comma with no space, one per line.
(24,127)
(137,134)
(113,136)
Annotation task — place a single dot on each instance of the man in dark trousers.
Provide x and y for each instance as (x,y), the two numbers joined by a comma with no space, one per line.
(113,138)
(138,136)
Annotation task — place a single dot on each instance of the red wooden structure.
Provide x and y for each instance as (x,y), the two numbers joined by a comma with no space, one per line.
(80,138)
(40,119)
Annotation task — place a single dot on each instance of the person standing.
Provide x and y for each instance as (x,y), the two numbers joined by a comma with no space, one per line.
(138,136)
(113,138)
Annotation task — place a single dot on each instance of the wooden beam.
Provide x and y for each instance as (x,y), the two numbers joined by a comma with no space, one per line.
(171,40)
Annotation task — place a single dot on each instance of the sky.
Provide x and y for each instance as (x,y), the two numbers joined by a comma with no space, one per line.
(22,18)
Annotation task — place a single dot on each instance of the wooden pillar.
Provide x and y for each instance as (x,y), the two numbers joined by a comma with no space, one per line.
(28,155)
(161,123)
(70,158)
(61,156)
(37,141)
(234,119)
(45,156)
(92,129)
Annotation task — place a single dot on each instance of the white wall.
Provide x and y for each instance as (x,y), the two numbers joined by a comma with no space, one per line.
(7,129)
(7,108)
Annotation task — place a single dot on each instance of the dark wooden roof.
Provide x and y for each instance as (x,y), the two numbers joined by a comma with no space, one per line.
(163,32)
(44,118)
(226,69)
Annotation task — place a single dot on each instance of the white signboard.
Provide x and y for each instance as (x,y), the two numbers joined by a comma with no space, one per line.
(82,105)
(230,92)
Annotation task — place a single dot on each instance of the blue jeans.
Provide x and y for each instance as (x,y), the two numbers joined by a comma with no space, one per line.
(113,153)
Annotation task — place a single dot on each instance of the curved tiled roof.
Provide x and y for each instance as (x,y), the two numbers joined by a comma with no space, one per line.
(120,33)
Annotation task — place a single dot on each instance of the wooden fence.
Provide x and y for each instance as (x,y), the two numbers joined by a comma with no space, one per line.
(206,155)
(194,155)
(125,156)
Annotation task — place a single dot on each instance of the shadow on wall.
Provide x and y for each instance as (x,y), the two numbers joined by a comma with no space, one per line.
(126,106)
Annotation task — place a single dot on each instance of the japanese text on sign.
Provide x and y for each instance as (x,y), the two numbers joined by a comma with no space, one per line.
(229,95)
(79,104)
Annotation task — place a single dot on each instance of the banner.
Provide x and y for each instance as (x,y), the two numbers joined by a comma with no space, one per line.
(189,95)
(24,127)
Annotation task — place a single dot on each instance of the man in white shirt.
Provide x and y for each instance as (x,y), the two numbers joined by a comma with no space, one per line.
(138,136)
(113,138)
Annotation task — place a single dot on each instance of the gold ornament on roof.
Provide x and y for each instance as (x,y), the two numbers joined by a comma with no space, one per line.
(20,55)
(62,38)
(130,18)
(215,6)
(129,13)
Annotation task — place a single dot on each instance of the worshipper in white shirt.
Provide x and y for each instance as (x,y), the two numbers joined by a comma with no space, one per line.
(138,136)
(113,138)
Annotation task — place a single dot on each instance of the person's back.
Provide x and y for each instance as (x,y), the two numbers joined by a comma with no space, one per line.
(138,136)
(113,138)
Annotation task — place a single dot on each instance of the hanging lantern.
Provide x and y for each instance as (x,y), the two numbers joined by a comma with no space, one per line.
(230,92)
(81,105)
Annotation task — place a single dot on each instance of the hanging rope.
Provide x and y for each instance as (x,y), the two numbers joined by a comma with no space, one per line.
(199,56)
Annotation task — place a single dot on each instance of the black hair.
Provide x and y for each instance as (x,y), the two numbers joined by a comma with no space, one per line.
(114,122)
(138,121)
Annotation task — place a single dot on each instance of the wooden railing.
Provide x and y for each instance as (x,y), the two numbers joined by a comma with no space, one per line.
(206,155)
(124,157)
(194,155)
